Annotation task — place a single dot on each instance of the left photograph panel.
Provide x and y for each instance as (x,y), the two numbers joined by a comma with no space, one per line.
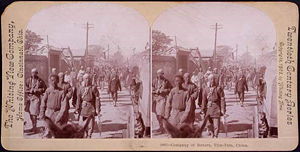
(87,72)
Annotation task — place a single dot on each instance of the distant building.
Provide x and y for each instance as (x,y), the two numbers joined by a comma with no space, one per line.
(189,60)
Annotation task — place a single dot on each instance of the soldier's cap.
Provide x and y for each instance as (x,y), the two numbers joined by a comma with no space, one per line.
(160,71)
(179,76)
(85,76)
(210,77)
(34,70)
(60,74)
(186,74)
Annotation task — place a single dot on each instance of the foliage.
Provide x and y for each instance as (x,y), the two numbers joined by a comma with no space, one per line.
(32,41)
(246,59)
(160,41)
(96,50)
(117,59)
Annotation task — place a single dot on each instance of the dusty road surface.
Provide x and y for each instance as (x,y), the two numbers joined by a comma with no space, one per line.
(239,119)
(113,119)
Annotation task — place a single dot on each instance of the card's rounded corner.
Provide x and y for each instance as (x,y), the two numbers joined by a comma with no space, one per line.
(294,145)
(292,4)
(10,6)
(4,145)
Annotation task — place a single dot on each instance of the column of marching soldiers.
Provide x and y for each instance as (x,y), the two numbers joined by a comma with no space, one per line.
(177,104)
(77,88)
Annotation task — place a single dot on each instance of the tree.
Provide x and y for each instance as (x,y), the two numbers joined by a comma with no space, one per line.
(32,41)
(97,51)
(226,52)
(160,41)
(246,59)
(117,59)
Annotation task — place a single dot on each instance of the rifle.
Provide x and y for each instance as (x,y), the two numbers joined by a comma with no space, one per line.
(225,123)
(99,124)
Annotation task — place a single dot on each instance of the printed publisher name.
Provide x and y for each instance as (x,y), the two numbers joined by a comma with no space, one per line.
(203,145)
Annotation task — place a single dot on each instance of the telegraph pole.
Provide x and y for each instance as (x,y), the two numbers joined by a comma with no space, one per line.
(87,27)
(216,27)
(236,52)
(133,51)
(175,42)
(247,53)
(108,51)
(48,43)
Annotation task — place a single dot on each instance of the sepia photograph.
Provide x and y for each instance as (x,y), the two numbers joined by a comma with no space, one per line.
(153,76)
(87,72)
(214,72)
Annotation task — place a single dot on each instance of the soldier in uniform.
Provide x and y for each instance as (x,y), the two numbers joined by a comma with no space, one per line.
(201,84)
(222,78)
(80,73)
(114,85)
(95,76)
(73,77)
(88,104)
(192,95)
(216,76)
(179,104)
(213,105)
(68,91)
(241,86)
(54,104)
(135,86)
(208,72)
(261,93)
(34,89)
(160,90)
(54,71)
(89,71)
(73,84)
(180,72)
(101,77)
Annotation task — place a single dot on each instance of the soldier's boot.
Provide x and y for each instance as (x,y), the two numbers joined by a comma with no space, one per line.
(34,123)
(115,103)
(89,136)
(161,129)
(242,102)
(216,132)
(210,130)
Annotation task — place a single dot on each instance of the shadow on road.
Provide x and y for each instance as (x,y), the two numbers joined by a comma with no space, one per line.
(238,127)
(110,127)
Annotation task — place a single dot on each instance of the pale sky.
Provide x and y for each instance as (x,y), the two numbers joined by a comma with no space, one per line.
(113,24)
(241,24)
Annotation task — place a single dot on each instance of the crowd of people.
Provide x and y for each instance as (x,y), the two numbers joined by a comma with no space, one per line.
(177,103)
(77,88)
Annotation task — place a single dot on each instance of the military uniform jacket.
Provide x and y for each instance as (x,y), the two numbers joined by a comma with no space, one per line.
(37,85)
(192,90)
(86,100)
(193,94)
(55,104)
(178,106)
(213,100)
(241,84)
(161,87)
(114,85)
(68,91)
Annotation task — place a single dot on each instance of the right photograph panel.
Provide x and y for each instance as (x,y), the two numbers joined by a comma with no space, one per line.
(214,72)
